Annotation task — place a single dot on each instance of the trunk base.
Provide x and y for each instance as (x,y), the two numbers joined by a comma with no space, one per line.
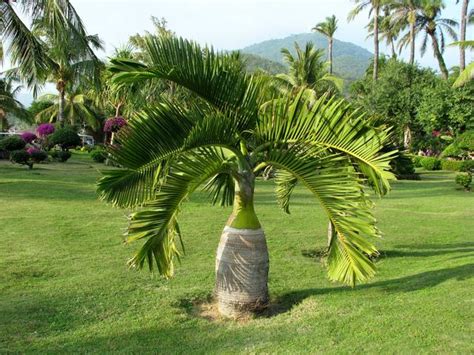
(241,272)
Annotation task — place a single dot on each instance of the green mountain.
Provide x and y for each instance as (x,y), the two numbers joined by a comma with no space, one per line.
(350,60)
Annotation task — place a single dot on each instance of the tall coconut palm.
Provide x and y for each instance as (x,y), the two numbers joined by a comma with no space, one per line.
(222,142)
(56,48)
(404,12)
(9,105)
(430,22)
(307,69)
(328,28)
(374,10)
(462,37)
(76,110)
(389,31)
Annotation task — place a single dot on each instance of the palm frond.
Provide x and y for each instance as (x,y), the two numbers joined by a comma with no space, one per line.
(465,76)
(339,189)
(330,125)
(157,221)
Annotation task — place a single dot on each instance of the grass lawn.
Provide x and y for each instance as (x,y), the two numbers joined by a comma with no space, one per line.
(65,286)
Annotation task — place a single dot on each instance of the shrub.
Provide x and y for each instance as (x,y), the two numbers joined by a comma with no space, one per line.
(431,163)
(61,155)
(45,129)
(114,124)
(416,159)
(465,180)
(38,156)
(467,166)
(65,137)
(99,155)
(403,168)
(28,137)
(12,143)
(451,165)
(21,157)
(461,147)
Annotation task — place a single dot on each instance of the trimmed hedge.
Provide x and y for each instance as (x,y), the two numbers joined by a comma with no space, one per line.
(451,165)
(431,163)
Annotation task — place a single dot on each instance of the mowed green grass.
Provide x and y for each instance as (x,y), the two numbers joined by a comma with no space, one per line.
(65,286)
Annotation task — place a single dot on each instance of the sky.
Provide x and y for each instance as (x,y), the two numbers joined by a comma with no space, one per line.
(234,24)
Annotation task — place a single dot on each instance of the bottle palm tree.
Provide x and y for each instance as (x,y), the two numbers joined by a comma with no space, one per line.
(56,48)
(307,69)
(222,141)
(402,13)
(374,11)
(328,28)
(462,37)
(429,21)
(9,105)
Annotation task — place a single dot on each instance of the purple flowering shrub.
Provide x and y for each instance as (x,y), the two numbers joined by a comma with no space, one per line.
(28,137)
(45,129)
(114,124)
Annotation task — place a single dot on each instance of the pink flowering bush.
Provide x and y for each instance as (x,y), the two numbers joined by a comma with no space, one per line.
(32,150)
(114,124)
(45,129)
(28,137)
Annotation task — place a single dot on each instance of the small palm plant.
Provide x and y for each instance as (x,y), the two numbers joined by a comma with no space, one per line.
(221,142)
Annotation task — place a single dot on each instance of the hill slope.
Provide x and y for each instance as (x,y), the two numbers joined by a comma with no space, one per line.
(350,60)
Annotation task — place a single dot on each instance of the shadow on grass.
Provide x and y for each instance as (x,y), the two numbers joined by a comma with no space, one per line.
(410,283)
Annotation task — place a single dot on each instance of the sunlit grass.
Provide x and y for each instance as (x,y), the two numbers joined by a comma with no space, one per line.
(64,284)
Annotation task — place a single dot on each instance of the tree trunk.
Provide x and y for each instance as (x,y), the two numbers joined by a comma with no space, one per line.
(376,42)
(61,86)
(331,44)
(407,137)
(392,44)
(412,42)
(462,51)
(242,261)
(117,109)
(331,233)
(439,56)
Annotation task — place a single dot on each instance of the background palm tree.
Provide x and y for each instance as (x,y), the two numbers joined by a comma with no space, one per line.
(374,11)
(223,140)
(9,105)
(462,37)
(76,110)
(307,69)
(430,22)
(56,48)
(328,28)
(404,13)
(388,31)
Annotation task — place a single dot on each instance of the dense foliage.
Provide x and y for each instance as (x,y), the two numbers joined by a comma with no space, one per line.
(12,143)
(417,103)
(65,137)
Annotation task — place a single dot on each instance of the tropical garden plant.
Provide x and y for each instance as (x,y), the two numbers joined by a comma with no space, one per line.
(307,70)
(221,142)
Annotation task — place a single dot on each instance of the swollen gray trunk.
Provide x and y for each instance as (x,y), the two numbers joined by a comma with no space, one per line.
(242,256)
(241,271)
(376,43)
(462,51)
